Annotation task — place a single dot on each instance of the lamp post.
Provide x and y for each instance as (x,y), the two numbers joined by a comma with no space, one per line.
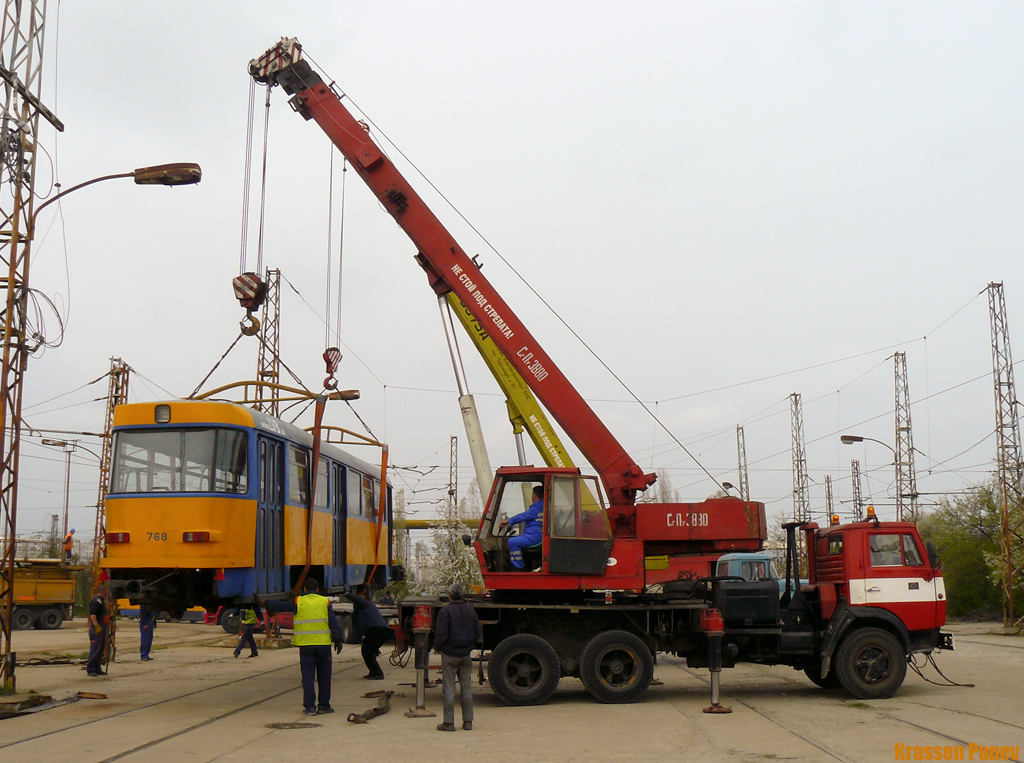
(850,439)
(15,360)
(69,447)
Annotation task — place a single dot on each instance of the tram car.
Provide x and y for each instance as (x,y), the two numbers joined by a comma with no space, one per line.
(208,505)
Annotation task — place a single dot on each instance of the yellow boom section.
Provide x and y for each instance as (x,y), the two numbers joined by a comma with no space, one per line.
(524,411)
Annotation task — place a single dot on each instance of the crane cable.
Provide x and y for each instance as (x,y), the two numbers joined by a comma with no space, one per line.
(247,181)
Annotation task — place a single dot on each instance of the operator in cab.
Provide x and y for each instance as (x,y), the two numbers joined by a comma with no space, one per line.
(533,528)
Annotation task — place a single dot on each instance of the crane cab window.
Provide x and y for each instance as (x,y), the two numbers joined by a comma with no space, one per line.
(576,509)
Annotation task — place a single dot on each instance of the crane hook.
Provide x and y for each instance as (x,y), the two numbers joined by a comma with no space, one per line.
(252,328)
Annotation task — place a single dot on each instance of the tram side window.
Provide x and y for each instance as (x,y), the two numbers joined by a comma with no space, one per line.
(298,476)
(321,484)
(354,493)
(369,504)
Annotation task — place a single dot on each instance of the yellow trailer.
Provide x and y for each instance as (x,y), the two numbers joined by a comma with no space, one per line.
(44,593)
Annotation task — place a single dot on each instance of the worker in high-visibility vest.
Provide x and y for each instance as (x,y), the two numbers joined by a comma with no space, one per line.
(315,629)
(251,617)
(68,545)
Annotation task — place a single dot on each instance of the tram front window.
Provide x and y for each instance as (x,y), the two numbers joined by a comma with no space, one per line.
(180,461)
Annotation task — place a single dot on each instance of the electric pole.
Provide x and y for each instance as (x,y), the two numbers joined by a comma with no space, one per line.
(117,394)
(1008,453)
(906,477)
(801,503)
(858,497)
(741,451)
(268,364)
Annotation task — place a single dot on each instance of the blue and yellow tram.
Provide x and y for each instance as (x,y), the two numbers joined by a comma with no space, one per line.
(209,503)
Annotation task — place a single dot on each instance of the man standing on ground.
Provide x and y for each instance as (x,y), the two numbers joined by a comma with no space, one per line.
(68,545)
(369,625)
(458,631)
(315,629)
(250,618)
(97,631)
(147,624)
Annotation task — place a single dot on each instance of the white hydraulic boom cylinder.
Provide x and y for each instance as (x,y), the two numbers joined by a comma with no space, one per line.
(470,417)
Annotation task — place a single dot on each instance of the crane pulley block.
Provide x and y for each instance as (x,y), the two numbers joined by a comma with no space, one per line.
(251,292)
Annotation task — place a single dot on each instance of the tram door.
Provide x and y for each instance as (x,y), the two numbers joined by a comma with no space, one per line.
(338,557)
(270,518)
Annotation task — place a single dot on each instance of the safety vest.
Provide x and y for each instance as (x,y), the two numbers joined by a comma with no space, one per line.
(69,542)
(310,623)
(249,618)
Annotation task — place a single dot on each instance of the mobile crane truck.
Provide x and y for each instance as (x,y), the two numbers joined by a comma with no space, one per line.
(611,586)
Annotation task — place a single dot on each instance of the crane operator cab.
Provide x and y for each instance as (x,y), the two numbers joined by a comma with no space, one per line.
(574,537)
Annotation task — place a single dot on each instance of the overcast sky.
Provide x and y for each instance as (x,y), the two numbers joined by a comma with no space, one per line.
(727,202)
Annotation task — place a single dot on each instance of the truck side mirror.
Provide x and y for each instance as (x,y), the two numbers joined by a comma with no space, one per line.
(933,556)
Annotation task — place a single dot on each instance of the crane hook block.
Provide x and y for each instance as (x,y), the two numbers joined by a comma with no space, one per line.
(250,291)
(332,357)
(250,325)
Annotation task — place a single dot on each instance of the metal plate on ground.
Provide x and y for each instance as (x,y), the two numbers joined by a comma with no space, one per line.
(293,725)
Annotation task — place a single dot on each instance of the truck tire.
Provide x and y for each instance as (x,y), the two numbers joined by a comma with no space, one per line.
(524,670)
(50,619)
(616,667)
(229,621)
(831,681)
(871,663)
(348,630)
(23,619)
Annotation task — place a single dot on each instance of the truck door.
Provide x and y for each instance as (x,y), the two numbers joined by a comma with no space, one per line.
(579,536)
(270,517)
(899,580)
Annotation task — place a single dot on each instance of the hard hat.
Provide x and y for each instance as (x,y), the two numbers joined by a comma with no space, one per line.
(72,529)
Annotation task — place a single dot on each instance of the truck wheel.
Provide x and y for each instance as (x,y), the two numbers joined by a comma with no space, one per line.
(50,619)
(229,621)
(871,664)
(831,681)
(616,667)
(348,630)
(524,670)
(23,619)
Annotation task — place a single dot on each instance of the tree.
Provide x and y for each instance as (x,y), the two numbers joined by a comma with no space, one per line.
(451,559)
(661,491)
(966,531)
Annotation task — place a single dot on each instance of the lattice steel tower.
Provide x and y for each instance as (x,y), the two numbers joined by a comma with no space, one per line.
(268,364)
(117,394)
(1008,454)
(21,60)
(741,452)
(906,477)
(801,502)
(858,496)
(828,496)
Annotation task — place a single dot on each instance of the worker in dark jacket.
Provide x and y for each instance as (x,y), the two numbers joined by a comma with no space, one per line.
(369,625)
(97,631)
(147,624)
(315,628)
(458,631)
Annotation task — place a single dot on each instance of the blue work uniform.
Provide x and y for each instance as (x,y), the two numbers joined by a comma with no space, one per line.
(147,624)
(533,532)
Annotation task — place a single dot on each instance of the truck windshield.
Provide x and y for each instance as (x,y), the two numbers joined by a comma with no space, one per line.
(165,460)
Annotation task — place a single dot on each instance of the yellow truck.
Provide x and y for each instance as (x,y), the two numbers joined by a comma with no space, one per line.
(44,593)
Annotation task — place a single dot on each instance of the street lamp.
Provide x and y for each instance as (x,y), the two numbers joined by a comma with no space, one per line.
(69,447)
(178,173)
(850,439)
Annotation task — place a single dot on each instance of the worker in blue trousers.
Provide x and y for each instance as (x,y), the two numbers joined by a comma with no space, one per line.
(251,617)
(533,528)
(315,628)
(147,624)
